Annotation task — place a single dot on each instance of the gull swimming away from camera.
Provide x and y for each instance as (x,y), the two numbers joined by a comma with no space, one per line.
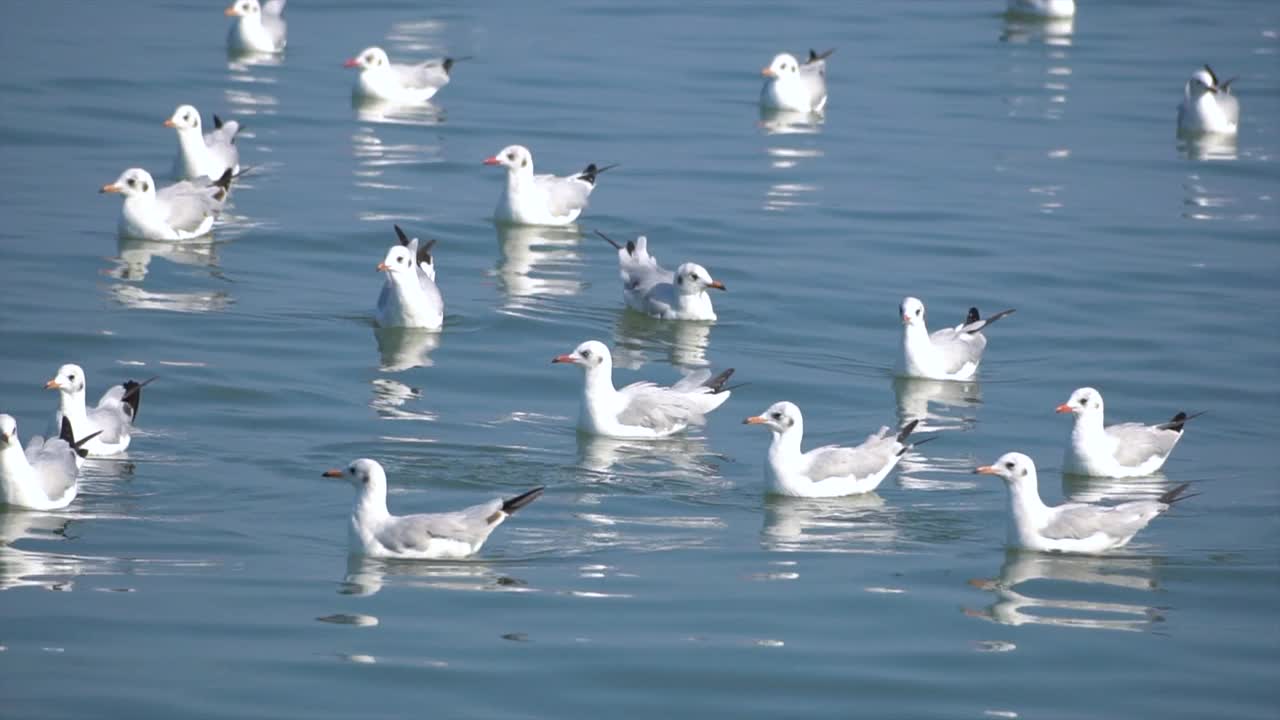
(1116,451)
(830,470)
(44,476)
(649,288)
(530,199)
(180,211)
(1047,9)
(203,155)
(111,422)
(410,298)
(1071,527)
(1208,107)
(949,354)
(381,79)
(641,410)
(795,86)
(375,532)
(258,27)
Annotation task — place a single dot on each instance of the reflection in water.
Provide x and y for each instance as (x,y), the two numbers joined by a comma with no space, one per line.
(790,122)
(390,396)
(241,66)
(791,138)
(680,458)
(1201,203)
(1021,29)
(373,157)
(135,297)
(366,576)
(1078,488)
(537,262)
(1088,573)
(1206,147)
(955,403)
(852,524)
(136,253)
(636,334)
(26,568)
(381,111)
(405,348)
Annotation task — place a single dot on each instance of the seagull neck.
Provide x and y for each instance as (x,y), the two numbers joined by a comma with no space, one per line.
(1088,424)
(519,176)
(12,459)
(1025,505)
(598,382)
(192,142)
(71,405)
(915,334)
(371,505)
(786,444)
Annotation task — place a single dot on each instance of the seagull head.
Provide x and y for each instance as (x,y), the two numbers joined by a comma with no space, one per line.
(779,418)
(184,117)
(692,278)
(8,430)
(783,65)
(68,381)
(912,311)
(1085,401)
(589,355)
(1014,468)
(364,474)
(399,260)
(243,8)
(133,182)
(516,158)
(1201,82)
(368,59)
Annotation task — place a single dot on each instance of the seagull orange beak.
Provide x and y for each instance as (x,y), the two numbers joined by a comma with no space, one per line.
(984,470)
(755,420)
(563,359)
(332,474)
(768,72)
(53,385)
(351,63)
(231,11)
(1064,408)
(717,285)
(169,123)
(906,319)
(108,188)
(492,161)
(382,267)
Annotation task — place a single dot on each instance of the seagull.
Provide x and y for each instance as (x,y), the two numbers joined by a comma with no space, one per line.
(831,470)
(1208,107)
(180,211)
(258,28)
(540,199)
(948,354)
(410,297)
(1116,451)
(113,418)
(790,85)
(203,155)
(641,410)
(1048,9)
(380,79)
(1071,527)
(655,291)
(44,476)
(430,536)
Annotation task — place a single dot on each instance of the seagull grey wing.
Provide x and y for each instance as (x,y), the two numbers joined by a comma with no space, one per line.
(1078,521)
(565,195)
(430,74)
(414,532)
(656,408)
(276,27)
(640,270)
(274,7)
(1230,107)
(658,300)
(859,462)
(54,463)
(814,77)
(186,205)
(957,349)
(111,416)
(1137,443)
(222,144)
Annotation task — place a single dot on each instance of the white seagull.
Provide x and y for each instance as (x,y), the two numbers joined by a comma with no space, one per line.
(381,79)
(1048,9)
(640,410)
(790,85)
(1115,451)
(410,297)
(1071,527)
(258,28)
(180,211)
(649,288)
(375,532)
(830,470)
(1208,107)
(532,199)
(948,354)
(44,476)
(111,421)
(203,155)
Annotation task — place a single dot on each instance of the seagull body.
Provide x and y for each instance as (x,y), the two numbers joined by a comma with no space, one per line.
(381,79)
(831,470)
(43,477)
(1070,527)
(1049,9)
(640,410)
(258,28)
(1208,107)
(375,532)
(410,297)
(949,354)
(180,211)
(649,288)
(790,85)
(203,155)
(110,422)
(530,199)
(1115,451)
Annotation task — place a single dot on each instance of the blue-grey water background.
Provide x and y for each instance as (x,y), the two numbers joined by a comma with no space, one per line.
(964,158)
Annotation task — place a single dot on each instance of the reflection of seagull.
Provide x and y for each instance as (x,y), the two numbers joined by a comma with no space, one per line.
(27,568)
(790,122)
(600,454)
(914,396)
(548,252)
(405,348)
(848,524)
(1116,451)
(367,575)
(684,342)
(135,255)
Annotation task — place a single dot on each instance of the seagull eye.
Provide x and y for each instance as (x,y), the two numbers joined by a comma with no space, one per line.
(777,416)
(400,260)
(511,157)
(586,353)
(917,311)
(1008,466)
(1084,401)
(130,182)
(72,378)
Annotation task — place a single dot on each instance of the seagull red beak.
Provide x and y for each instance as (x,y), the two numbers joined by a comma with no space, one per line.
(717,285)
(1064,408)
(563,359)
(754,420)
(351,63)
(906,319)
(332,474)
(53,385)
(768,72)
(492,161)
(382,267)
(984,470)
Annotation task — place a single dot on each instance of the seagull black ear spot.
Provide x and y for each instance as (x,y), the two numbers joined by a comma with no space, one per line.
(524,163)
(145,186)
(1023,473)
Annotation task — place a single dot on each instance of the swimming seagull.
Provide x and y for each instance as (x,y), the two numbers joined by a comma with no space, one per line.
(831,470)
(641,410)
(410,297)
(649,288)
(540,199)
(1208,107)
(180,211)
(1071,527)
(375,532)
(380,79)
(203,155)
(790,85)
(258,28)
(111,421)
(1048,9)
(44,476)
(1116,451)
(948,354)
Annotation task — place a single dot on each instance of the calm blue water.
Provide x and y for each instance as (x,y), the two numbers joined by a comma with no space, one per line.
(963,159)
